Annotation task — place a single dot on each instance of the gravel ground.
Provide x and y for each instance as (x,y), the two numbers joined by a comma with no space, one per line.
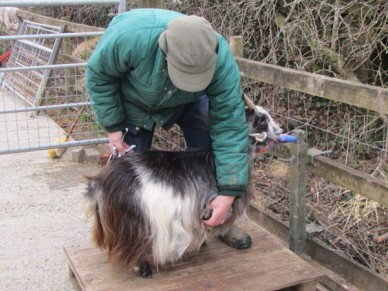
(41,203)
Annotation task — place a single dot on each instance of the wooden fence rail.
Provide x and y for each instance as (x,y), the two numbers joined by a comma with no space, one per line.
(360,95)
(69,26)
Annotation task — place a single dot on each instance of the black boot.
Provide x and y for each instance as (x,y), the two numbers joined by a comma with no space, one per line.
(236,238)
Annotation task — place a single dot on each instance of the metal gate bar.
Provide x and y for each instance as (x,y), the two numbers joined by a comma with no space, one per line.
(53,35)
(32,3)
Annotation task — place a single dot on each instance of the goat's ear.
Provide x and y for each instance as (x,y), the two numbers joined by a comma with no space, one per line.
(249,113)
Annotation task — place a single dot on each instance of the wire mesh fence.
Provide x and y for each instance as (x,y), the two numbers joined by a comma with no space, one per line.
(355,136)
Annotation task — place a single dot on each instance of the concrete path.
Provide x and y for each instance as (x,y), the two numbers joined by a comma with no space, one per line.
(41,211)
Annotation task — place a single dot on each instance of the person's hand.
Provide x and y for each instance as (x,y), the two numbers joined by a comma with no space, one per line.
(116,140)
(220,205)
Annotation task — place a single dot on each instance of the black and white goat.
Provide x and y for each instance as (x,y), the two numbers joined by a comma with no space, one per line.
(148,208)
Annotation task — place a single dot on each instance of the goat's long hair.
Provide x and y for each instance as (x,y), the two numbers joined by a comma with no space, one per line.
(148,207)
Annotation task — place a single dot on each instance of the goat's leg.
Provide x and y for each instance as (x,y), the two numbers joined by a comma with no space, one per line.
(145,270)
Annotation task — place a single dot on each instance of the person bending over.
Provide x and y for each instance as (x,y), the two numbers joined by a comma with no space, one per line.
(154,66)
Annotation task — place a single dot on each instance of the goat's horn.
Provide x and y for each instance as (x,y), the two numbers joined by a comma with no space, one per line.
(249,102)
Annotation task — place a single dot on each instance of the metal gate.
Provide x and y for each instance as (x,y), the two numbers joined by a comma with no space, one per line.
(29,85)
(43,103)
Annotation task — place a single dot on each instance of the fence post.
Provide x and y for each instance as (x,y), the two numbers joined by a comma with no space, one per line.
(297,233)
(69,72)
(237,46)
(122,7)
(153,4)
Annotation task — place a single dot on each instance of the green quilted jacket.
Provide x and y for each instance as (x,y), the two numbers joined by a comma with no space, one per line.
(128,84)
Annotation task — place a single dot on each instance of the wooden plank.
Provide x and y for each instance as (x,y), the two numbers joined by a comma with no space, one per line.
(351,179)
(349,270)
(267,265)
(360,95)
(70,26)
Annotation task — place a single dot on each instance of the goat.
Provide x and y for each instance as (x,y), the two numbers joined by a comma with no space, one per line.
(148,208)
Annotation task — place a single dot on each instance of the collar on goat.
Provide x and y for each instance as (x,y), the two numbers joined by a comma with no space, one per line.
(270,142)
(259,137)
(262,142)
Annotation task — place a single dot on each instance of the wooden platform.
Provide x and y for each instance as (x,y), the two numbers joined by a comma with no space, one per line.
(267,265)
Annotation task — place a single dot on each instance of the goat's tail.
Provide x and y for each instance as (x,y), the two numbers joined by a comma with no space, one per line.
(124,234)
(92,212)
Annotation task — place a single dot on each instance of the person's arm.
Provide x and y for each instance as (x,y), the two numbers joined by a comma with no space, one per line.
(104,70)
(229,133)
(115,55)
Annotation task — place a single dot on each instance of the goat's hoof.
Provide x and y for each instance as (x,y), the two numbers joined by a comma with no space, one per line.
(145,270)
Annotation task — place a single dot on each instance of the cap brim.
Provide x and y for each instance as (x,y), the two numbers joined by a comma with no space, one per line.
(188,81)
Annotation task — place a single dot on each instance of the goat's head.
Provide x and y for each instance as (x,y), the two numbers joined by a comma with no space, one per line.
(261,125)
